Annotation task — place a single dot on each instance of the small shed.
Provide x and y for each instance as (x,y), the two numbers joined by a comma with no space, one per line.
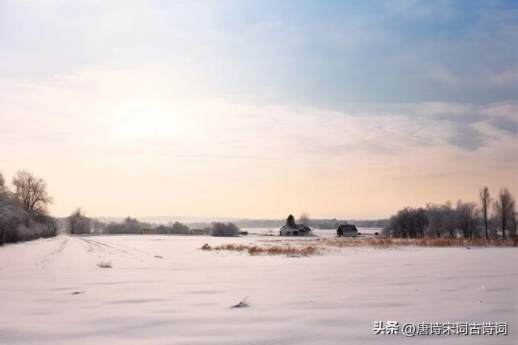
(347,230)
(292,229)
(300,230)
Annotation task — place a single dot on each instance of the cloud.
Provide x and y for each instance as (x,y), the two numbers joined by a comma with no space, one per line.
(138,109)
(467,138)
(118,127)
(508,125)
(260,97)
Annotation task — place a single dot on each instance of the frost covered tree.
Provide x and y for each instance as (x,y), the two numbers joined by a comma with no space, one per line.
(18,223)
(31,192)
(78,223)
(485,201)
(408,222)
(441,220)
(504,208)
(467,218)
(11,215)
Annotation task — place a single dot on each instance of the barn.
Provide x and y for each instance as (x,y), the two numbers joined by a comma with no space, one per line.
(347,230)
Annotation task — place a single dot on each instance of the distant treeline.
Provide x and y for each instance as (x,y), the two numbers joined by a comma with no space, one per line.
(78,223)
(23,210)
(489,218)
(23,216)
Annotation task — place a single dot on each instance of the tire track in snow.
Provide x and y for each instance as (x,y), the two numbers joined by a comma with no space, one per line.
(59,249)
(109,251)
(122,248)
(97,246)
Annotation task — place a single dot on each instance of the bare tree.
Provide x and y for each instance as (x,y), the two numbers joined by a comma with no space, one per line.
(435,220)
(504,208)
(31,192)
(467,218)
(304,219)
(485,200)
(78,223)
(408,222)
(442,220)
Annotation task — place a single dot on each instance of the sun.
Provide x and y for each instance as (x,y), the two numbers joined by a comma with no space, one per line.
(147,120)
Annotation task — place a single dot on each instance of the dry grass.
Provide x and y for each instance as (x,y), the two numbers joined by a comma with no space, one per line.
(273,250)
(421,242)
(302,249)
(104,264)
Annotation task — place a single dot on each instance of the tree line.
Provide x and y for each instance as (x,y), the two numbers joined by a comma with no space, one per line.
(24,216)
(79,224)
(23,210)
(489,218)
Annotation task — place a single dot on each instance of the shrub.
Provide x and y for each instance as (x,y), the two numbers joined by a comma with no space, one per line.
(179,228)
(128,226)
(16,224)
(408,222)
(176,228)
(224,230)
(104,264)
(273,250)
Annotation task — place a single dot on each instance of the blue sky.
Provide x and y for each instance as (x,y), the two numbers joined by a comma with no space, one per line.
(362,81)
(310,52)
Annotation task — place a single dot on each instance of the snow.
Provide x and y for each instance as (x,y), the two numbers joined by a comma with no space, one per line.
(165,290)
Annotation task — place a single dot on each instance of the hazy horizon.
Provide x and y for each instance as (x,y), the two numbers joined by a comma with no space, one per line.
(258,109)
(208,219)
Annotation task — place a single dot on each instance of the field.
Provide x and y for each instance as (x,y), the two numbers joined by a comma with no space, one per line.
(166,290)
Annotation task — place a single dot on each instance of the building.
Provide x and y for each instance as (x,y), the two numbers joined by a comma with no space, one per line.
(347,230)
(299,230)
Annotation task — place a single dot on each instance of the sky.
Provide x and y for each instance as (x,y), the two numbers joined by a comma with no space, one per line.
(259,109)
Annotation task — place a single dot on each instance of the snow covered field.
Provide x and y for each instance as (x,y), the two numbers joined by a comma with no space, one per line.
(164,290)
